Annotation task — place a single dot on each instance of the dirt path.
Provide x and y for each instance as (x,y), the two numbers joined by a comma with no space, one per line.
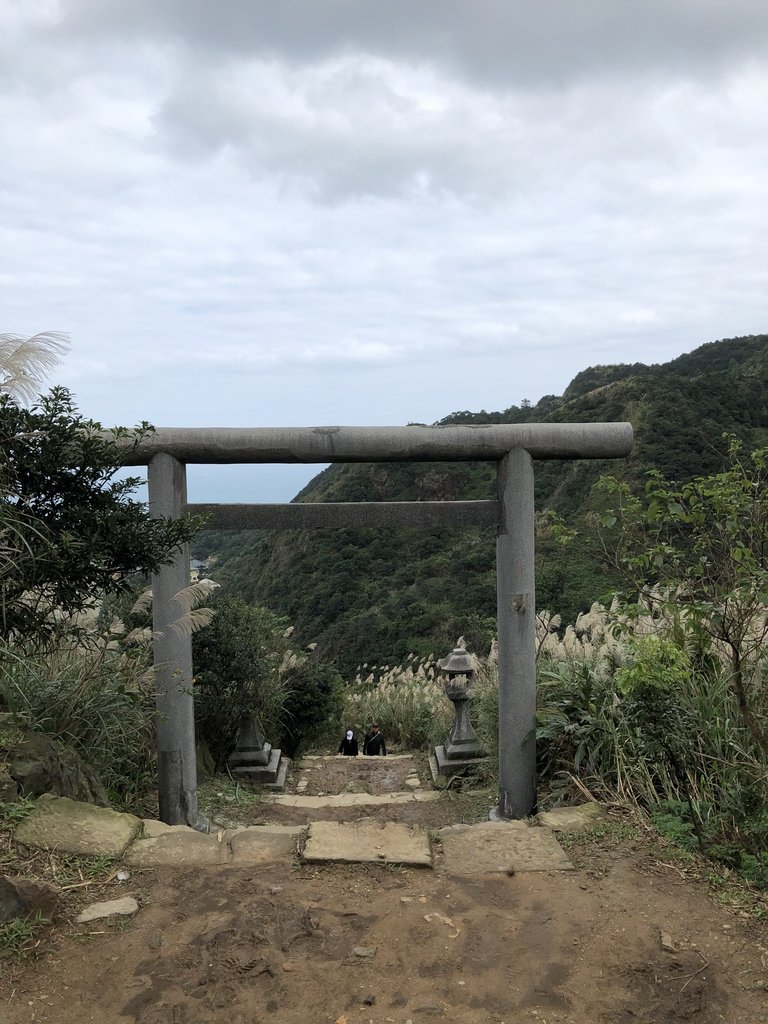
(284,943)
(316,776)
(624,939)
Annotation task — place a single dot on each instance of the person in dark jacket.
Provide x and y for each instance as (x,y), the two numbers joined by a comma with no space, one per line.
(373,743)
(348,745)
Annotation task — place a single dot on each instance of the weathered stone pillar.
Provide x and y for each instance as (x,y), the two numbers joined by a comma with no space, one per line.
(516,625)
(176,761)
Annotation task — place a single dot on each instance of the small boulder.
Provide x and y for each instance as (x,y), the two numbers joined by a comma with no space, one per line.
(74,827)
(22,897)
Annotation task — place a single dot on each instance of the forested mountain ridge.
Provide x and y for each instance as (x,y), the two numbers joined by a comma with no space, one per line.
(376,595)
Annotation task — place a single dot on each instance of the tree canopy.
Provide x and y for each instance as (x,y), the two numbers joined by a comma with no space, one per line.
(699,549)
(70,529)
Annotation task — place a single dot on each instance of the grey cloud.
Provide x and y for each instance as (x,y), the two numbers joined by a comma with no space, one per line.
(363,127)
(495,41)
(341,134)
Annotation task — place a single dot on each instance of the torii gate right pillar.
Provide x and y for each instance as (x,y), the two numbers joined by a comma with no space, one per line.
(516,628)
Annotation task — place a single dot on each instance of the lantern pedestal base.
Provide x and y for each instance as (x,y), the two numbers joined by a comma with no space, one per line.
(272,774)
(447,766)
(255,760)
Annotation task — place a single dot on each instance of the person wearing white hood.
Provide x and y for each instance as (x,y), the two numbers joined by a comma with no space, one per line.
(348,745)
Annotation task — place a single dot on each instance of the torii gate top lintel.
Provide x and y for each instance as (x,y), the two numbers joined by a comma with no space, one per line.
(449,443)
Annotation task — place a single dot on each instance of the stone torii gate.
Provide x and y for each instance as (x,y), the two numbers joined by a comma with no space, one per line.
(513,447)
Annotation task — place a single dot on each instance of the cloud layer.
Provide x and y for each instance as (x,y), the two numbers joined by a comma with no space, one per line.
(338,211)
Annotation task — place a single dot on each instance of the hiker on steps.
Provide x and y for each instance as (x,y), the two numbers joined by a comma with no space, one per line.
(348,745)
(373,743)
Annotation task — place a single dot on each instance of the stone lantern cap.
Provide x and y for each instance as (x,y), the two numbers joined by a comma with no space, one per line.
(458,663)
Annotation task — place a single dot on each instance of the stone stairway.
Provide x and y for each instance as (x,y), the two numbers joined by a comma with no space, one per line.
(484,848)
(327,784)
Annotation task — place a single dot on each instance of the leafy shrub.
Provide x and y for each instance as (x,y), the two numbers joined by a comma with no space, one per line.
(313,699)
(672,819)
(484,709)
(237,660)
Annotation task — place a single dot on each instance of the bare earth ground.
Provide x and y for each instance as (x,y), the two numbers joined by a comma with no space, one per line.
(291,943)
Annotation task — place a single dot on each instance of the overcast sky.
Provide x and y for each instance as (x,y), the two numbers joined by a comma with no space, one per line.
(262,213)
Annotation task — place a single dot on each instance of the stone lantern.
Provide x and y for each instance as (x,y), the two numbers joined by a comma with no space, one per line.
(462,747)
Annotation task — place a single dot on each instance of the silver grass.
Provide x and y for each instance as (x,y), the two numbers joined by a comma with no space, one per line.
(193,620)
(191,597)
(26,362)
(143,602)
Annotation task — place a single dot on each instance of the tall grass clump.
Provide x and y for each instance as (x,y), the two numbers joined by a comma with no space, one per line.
(95,688)
(97,697)
(407,701)
(574,697)
(639,709)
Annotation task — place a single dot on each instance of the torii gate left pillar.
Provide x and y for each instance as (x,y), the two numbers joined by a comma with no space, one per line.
(174,700)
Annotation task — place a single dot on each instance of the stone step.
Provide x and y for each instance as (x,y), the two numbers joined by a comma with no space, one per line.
(367,842)
(496,847)
(480,849)
(177,845)
(351,799)
(311,759)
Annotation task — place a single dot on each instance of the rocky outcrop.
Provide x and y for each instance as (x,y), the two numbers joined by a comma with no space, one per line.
(42,764)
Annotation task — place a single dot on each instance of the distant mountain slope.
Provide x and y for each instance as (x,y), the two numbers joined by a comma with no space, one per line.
(377,595)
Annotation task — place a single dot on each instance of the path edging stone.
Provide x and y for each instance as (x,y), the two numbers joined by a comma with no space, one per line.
(58,823)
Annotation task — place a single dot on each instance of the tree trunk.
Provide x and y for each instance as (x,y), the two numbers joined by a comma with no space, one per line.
(737,680)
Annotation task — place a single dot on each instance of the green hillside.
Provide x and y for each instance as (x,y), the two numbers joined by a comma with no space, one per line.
(377,595)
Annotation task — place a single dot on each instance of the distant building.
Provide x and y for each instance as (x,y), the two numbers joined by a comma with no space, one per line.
(197,570)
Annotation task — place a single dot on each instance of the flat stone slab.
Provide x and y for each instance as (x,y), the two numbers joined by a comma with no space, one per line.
(58,823)
(570,819)
(265,830)
(496,847)
(171,845)
(260,844)
(125,907)
(352,799)
(180,849)
(367,841)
